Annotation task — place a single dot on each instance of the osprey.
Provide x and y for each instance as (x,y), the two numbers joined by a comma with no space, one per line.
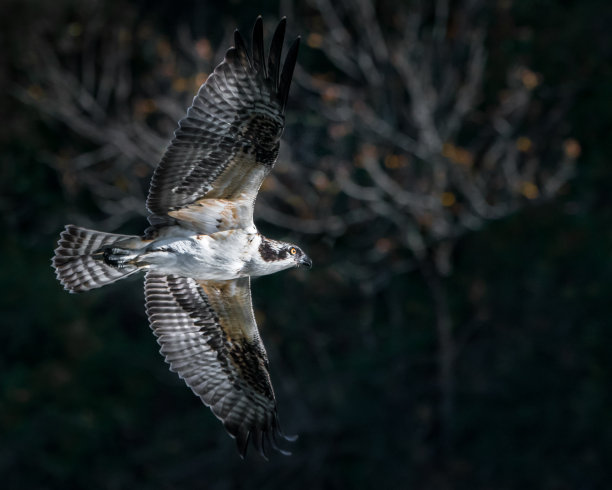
(202,247)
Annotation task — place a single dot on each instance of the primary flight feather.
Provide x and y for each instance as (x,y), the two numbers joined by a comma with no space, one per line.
(202,246)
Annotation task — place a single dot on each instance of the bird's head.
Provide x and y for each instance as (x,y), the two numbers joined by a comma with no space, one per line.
(282,255)
(298,255)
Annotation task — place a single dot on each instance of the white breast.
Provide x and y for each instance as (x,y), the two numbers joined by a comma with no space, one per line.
(219,256)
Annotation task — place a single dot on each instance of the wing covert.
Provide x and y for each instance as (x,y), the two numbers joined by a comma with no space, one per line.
(208,335)
(228,141)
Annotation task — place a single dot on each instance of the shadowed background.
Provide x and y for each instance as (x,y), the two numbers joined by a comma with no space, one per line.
(445,166)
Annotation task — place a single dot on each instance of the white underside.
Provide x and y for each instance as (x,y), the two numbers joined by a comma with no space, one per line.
(223,255)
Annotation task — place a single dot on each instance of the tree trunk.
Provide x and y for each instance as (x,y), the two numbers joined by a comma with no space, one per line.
(445,355)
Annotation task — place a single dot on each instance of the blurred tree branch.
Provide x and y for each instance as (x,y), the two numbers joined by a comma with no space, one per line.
(412,146)
(118,86)
(419,144)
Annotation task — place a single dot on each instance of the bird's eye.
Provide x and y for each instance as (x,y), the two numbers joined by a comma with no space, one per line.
(293,251)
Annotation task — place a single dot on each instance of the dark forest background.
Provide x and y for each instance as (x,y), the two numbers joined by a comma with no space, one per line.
(455,329)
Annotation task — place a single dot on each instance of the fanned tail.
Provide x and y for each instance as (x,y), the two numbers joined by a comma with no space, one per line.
(87,259)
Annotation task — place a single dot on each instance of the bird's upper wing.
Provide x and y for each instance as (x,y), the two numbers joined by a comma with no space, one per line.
(229,140)
(208,335)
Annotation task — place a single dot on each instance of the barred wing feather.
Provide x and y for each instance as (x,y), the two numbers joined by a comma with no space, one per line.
(208,335)
(229,140)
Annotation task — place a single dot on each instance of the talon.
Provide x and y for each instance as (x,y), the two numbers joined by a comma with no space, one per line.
(116,257)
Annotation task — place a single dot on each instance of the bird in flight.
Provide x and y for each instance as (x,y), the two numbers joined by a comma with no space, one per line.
(202,246)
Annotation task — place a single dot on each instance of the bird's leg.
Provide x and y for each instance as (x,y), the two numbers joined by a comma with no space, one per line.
(115,256)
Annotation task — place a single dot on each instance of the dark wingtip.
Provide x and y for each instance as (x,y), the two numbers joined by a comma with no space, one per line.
(276,48)
(265,442)
(258,443)
(241,49)
(270,69)
(278,432)
(292,438)
(275,445)
(259,63)
(287,74)
(258,25)
(261,438)
(242,441)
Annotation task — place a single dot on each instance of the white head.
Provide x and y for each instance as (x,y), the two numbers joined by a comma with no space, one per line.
(273,256)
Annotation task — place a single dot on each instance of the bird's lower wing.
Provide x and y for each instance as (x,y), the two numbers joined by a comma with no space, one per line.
(208,335)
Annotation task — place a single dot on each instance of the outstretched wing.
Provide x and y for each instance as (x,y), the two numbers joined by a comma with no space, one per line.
(208,335)
(229,140)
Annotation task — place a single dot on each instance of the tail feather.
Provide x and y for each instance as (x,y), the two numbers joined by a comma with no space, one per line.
(79,260)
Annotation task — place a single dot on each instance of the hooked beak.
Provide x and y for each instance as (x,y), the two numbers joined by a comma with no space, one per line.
(305,261)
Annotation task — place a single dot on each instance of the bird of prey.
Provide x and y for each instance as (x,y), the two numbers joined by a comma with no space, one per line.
(202,246)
